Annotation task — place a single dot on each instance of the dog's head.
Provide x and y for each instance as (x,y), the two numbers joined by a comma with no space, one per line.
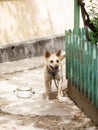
(53,61)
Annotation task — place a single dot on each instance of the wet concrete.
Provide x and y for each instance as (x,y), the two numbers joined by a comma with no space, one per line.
(35,113)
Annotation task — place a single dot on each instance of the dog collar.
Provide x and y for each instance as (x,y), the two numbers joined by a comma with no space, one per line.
(53,74)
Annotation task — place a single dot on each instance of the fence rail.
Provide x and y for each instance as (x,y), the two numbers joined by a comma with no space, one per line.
(82,64)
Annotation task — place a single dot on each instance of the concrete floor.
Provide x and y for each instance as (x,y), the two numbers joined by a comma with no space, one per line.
(35,113)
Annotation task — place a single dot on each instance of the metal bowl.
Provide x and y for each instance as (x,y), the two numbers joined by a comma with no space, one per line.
(24,92)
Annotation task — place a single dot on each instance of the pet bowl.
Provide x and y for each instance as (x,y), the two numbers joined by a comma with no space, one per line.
(24,92)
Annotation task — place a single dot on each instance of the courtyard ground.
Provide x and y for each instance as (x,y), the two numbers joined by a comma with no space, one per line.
(35,113)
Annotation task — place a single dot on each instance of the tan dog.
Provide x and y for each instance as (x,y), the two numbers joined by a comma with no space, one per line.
(53,70)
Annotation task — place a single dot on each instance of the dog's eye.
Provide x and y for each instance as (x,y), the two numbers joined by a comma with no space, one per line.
(57,61)
(51,61)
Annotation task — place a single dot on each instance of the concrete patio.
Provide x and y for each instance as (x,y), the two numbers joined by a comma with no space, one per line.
(35,113)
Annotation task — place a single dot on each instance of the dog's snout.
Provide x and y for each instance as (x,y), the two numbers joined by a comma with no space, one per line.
(56,67)
(51,67)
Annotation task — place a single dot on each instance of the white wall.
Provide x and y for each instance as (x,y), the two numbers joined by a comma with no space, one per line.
(22,20)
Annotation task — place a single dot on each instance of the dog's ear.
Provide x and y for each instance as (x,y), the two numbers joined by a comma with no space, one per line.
(62,57)
(47,54)
(58,53)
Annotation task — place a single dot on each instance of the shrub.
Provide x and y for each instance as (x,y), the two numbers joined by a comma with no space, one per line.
(94,20)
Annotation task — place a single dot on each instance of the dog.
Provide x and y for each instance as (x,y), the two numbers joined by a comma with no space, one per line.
(53,71)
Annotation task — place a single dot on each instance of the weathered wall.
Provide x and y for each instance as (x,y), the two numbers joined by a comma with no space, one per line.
(31,48)
(22,20)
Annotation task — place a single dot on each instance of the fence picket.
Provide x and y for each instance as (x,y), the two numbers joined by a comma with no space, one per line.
(66,49)
(96,88)
(82,64)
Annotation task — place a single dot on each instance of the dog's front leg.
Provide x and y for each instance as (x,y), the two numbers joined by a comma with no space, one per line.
(47,86)
(50,84)
(60,93)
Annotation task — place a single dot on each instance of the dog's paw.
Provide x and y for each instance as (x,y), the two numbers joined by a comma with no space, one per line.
(61,99)
(61,94)
(46,98)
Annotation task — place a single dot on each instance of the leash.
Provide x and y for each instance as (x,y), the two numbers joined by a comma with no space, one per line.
(53,75)
(55,83)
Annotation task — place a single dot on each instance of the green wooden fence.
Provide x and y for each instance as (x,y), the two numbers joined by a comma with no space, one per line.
(82,64)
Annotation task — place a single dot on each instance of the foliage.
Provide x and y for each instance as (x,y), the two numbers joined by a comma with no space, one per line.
(94,20)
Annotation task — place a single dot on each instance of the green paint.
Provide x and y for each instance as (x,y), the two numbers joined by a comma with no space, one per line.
(76,17)
(82,64)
